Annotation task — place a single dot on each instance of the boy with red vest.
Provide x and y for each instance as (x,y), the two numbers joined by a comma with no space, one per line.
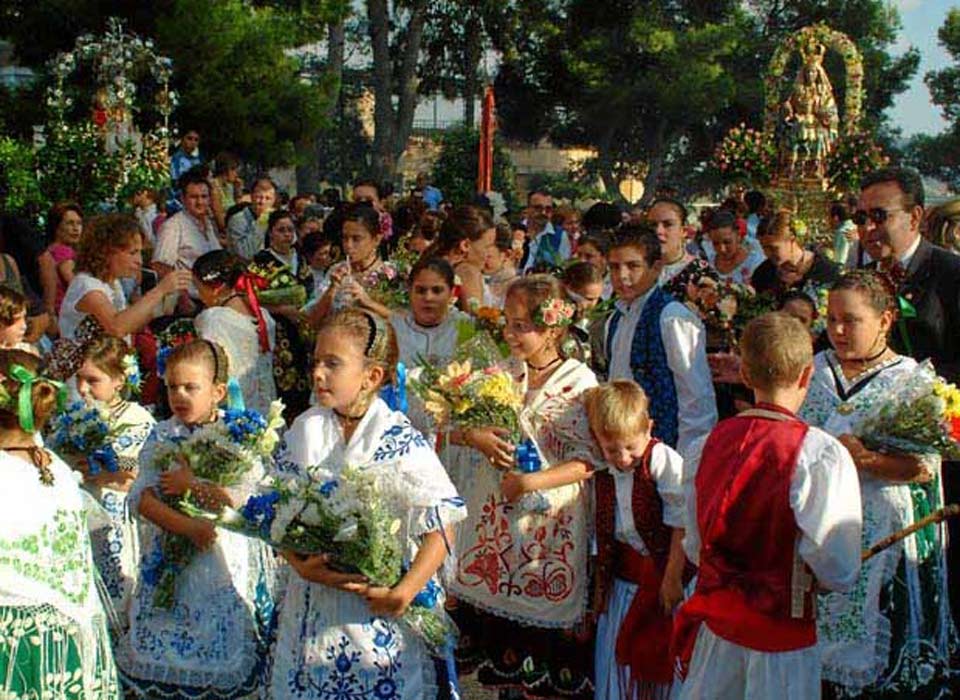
(774,511)
(639,532)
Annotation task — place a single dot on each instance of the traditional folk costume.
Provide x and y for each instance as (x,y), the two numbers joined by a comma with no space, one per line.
(212,644)
(293,347)
(774,509)
(891,634)
(437,345)
(526,572)
(53,625)
(250,353)
(661,344)
(636,511)
(116,548)
(329,646)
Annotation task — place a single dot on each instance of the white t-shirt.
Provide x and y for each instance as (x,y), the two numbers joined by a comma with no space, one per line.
(84,283)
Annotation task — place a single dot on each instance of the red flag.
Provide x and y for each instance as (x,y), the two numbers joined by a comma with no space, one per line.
(488,125)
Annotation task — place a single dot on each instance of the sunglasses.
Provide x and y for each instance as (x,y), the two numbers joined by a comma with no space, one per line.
(877,216)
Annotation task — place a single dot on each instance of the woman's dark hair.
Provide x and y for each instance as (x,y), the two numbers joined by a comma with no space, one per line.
(839,210)
(722,218)
(365,214)
(434,264)
(797,295)
(675,203)
(465,223)
(103,236)
(55,217)
(276,215)
(218,268)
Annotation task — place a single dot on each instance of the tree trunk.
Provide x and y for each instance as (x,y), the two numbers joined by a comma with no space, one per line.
(655,163)
(408,88)
(471,84)
(378,15)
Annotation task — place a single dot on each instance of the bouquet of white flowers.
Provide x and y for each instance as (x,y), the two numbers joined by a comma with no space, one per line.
(352,520)
(221,453)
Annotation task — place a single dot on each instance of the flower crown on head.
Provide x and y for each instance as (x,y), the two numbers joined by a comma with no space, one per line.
(554,313)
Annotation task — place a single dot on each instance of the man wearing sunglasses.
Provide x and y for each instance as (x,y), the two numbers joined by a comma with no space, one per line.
(890,211)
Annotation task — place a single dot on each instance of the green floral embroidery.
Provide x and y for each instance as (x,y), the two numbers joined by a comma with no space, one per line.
(57,556)
(40,659)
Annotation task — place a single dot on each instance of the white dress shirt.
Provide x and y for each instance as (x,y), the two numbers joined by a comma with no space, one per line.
(685,344)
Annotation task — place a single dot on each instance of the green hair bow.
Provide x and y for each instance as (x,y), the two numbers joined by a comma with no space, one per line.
(24,400)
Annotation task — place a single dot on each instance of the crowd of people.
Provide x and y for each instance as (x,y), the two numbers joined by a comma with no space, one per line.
(703,495)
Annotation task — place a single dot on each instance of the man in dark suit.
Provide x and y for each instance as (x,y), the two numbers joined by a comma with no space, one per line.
(891,209)
(928,277)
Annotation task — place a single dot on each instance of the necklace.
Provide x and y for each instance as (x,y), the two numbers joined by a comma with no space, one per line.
(349,418)
(366,267)
(227,299)
(41,460)
(679,258)
(867,360)
(546,366)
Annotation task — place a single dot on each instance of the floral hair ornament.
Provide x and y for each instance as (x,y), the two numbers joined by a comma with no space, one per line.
(23,404)
(554,313)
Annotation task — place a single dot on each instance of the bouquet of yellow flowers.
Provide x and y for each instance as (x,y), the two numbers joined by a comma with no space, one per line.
(921,414)
(474,392)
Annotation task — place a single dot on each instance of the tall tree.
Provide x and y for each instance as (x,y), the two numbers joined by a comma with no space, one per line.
(939,155)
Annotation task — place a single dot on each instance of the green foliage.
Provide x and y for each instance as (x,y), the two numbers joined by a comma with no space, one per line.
(19,190)
(72,165)
(455,172)
(235,81)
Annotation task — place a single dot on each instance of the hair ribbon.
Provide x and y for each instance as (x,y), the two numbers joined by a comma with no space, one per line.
(248,285)
(25,395)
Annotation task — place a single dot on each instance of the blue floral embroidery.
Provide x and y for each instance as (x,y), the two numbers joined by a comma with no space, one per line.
(354,674)
(397,441)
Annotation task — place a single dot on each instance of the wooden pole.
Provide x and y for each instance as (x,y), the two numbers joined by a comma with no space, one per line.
(938,516)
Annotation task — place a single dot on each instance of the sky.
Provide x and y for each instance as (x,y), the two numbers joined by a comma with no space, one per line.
(912,110)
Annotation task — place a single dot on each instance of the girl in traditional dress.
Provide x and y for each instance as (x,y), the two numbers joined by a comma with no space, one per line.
(233,319)
(291,356)
(891,635)
(524,574)
(104,376)
(353,279)
(52,622)
(210,644)
(734,257)
(429,329)
(338,637)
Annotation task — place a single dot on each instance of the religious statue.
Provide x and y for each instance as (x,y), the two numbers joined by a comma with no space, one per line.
(810,117)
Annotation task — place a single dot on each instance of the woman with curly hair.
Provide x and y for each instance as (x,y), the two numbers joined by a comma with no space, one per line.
(110,248)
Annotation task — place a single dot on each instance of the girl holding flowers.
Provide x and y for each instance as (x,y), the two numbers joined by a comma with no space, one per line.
(527,570)
(891,635)
(339,636)
(233,319)
(109,375)
(52,622)
(224,591)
